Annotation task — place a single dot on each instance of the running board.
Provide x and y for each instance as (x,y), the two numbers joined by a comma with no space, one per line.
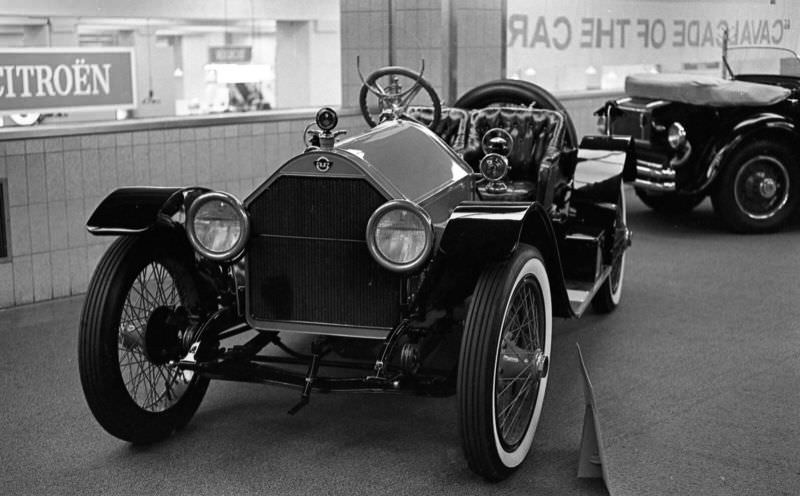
(580,294)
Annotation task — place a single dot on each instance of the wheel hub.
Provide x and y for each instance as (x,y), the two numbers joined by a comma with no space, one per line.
(768,188)
(515,361)
(162,334)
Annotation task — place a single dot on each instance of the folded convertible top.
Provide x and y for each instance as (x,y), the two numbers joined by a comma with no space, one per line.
(703,90)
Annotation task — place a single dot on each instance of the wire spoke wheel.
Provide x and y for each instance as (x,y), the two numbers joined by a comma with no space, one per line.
(504,362)
(153,386)
(517,377)
(131,330)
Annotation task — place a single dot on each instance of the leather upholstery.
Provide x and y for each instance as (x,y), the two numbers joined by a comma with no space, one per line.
(536,134)
(452,127)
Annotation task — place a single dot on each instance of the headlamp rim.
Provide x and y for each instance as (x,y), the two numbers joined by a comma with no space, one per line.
(326,119)
(244,219)
(681,135)
(372,244)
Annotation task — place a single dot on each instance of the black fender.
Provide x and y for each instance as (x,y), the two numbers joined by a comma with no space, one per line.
(147,212)
(479,233)
(745,130)
(136,210)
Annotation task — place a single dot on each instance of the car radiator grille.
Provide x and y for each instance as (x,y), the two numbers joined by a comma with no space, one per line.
(630,124)
(307,259)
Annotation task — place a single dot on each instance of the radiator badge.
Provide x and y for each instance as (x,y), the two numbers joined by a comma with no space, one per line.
(323,164)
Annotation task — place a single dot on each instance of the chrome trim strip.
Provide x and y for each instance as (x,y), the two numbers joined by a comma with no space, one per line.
(666,187)
(649,165)
(316,328)
(312,238)
(646,108)
(115,230)
(660,175)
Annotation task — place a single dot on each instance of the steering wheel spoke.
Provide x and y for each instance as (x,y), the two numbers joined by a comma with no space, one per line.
(393,100)
(404,100)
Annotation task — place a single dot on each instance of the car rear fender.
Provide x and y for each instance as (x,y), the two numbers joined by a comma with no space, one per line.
(778,126)
(136,210)
(479,233)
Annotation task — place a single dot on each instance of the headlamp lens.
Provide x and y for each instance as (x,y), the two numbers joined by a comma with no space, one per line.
(219,226)
(400,236)
(676,135)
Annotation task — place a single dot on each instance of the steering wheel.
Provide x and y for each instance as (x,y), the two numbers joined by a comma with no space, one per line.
(393,99)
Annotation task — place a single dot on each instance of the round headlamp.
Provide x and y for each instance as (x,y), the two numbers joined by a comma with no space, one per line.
(400,236)
(494,166)
(497,140)
(326,118)
(676,136)
(217,226)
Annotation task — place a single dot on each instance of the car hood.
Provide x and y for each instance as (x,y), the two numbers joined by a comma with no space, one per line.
(409,157)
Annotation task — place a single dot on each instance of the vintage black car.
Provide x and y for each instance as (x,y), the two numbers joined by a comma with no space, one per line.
(734,139)
(427,255)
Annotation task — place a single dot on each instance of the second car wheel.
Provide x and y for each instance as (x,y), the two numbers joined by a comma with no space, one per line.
(503,364)
(610,293)
(757,191)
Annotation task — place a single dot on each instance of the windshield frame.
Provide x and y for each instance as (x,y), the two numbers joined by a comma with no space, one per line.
(726,59)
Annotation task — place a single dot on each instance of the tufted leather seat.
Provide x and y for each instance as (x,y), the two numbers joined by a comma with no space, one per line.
(452,127)
(536,134)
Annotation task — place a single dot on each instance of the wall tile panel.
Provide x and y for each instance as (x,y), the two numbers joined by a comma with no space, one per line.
(17,180)
(42,277)
(157,165)
(90,167)
(57,225)
(141,167)
(20,230)
(76,183)
(53,145)
(6,285)
(15,147)
(23,280)
(76,223)
(37,182)
(188,163)
(172,165)
(78,271)
(54,173)
(59,265)
(124,167)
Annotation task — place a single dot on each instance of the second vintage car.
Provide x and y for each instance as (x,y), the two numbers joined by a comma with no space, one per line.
(735,139)
(427,255)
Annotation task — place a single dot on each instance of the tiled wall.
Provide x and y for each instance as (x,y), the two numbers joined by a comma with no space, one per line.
(55,182)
